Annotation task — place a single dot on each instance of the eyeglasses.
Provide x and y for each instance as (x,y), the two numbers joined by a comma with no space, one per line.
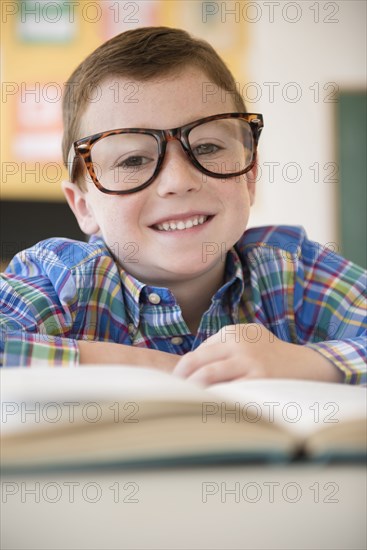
(127,160)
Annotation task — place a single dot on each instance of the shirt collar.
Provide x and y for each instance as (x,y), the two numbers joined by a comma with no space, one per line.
(234,283)
(136,293)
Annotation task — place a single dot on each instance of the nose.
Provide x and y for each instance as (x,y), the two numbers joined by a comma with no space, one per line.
(177,175)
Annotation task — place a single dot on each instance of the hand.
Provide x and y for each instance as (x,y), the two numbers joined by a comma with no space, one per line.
(252,351)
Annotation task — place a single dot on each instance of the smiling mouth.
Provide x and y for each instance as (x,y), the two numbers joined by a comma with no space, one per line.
(180,225)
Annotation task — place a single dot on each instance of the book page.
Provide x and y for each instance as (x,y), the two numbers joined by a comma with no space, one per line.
(300,406)
(120,414)
(51,391)
(87,382)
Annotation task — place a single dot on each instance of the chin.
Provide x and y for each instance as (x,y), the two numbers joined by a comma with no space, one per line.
(188,269)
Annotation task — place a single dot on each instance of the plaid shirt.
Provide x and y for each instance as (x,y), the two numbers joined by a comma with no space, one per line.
(61,291)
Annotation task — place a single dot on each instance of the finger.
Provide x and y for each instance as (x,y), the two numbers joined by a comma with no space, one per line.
(219,371)
(214,338)
(194,360)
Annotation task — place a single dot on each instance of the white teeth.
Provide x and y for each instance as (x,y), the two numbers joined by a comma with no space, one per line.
(180,225)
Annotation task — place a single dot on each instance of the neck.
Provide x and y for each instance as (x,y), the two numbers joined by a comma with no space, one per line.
(194,296)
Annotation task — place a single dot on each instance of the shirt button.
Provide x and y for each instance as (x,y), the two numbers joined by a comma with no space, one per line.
(154,298)
(176,340)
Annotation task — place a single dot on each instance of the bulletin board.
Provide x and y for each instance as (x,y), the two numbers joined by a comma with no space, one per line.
(352,145)
(42,43)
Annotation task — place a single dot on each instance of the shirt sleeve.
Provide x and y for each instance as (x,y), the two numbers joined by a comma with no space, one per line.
(330,309)
(36,319)
(22,349)
(348,356)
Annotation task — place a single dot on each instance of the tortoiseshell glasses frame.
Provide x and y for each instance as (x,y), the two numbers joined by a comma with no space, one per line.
(82,148)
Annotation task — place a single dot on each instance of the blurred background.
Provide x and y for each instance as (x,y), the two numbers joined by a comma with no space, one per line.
(302,64)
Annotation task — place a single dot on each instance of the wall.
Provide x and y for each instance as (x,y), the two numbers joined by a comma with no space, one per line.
(321,58)
(303,52)
(42,42)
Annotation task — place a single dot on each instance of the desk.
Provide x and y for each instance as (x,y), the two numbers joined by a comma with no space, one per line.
(299,506)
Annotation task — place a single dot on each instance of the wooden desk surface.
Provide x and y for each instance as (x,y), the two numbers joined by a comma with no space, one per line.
(239,507)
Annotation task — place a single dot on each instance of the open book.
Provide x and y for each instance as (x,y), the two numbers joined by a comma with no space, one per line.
(129,416)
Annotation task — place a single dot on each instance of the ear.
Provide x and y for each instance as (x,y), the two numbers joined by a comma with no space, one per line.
(251,180)
(77,200)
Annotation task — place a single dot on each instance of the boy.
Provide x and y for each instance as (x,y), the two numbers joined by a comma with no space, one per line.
(170,278)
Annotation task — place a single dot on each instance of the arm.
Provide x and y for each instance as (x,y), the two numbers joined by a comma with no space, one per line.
(27,339)
(29,349)
(330,311)
(318,313)
(252,351)
(49,314)
(101,353)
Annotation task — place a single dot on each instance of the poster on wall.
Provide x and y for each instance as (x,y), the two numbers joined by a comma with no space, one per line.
(44,21)
(38,130)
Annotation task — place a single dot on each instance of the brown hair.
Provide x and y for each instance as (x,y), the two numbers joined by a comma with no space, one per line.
(144,54)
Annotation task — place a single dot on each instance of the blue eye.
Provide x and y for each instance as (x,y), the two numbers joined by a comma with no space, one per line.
(206,149)
(133,162)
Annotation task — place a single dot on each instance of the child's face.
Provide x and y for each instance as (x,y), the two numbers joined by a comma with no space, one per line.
(126,222)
